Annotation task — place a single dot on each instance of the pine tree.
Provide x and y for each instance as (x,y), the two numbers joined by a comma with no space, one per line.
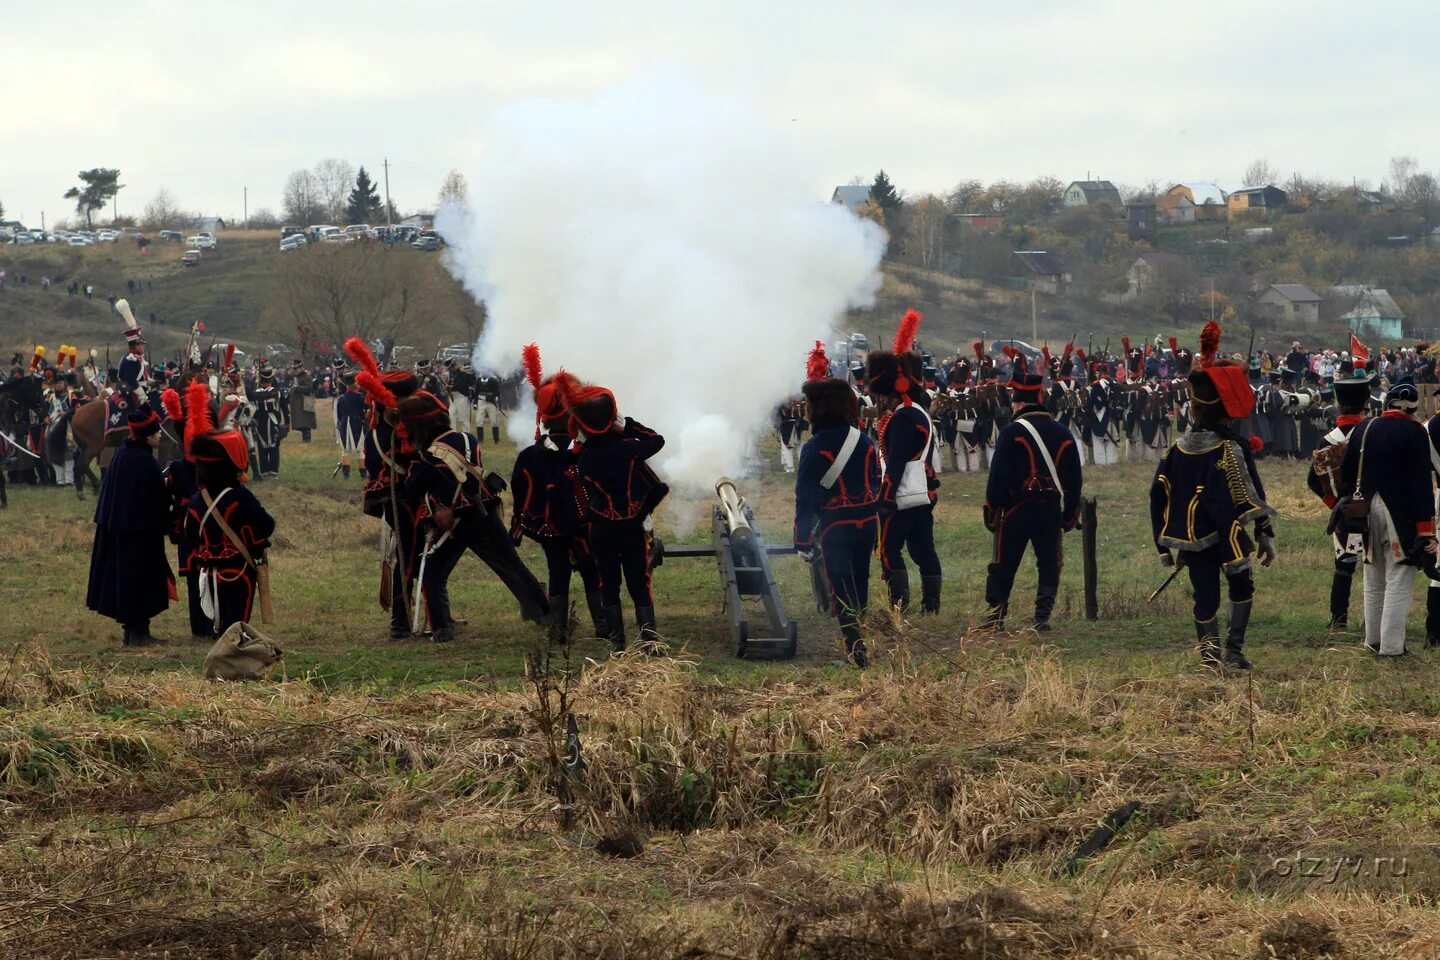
(883,192)
(363,205)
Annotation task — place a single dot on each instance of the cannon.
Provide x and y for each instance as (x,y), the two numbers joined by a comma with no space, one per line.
(743,560)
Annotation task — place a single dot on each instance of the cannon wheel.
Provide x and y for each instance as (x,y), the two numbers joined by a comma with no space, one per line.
(742,639)
(794,646)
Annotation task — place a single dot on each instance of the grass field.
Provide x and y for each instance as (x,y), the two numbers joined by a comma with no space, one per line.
(399,799)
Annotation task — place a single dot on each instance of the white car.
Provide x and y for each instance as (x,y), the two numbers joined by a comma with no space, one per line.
(107,235)
(358,229)
(202,241)
(337,237)
(79,241)
(293,242)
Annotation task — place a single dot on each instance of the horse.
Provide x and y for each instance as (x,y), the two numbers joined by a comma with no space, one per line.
(22,404)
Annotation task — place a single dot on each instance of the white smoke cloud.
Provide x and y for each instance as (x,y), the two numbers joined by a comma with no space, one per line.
(663,241)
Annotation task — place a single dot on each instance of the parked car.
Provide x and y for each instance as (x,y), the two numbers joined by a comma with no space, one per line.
(37,234)
(358,229)
(291,230)
(107,236)
(172,236)
(337,237)
(191,258)
(79,241)
(427,242)
(22,240)
(293,242)
(201,242)
(129,232)
(322,230)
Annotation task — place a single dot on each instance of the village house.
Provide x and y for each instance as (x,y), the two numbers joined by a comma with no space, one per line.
(1196,200)
(1088,193)
(209,224)
(1043,272)
(1375,314)
(1256,202)
(1141,217)
(981,222)
(1291,304)
(853,196)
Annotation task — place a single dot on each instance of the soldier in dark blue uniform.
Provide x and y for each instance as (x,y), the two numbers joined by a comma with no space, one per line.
(1386,465)
(837,502)
(228,565)
(457,509)
(1352,396)
(908,491)
(615,492)
(130,579)
(1033,495)
(544,504)
(385,465)
(181,484)
(1206,491)
(271,420)
(349,421)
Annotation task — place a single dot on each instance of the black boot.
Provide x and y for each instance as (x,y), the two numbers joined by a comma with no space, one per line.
(1235,636)
(345,471)
(138,635)
(597,612)
(443,634)
(1044,606)
(1432,617)
(855,650)
(1208,634)
(557,626)
(495,433)
(899,581)
(650,640)
(1340,600)
(930,593)
(615,629)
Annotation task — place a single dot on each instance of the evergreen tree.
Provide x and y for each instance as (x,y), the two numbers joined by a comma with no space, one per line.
(101,184)
(363,205)
(883,192)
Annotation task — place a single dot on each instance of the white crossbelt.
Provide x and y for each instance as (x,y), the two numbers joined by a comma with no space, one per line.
(847,450)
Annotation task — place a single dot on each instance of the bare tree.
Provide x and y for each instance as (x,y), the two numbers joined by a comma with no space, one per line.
(454,189)
(1401,170)
(163,212)
(334,180)
(301,199)
(361,289)
(927,230)
(1260,173)
(264,219)
(964,195)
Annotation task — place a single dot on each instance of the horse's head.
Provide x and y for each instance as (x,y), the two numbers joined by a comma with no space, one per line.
(22,396)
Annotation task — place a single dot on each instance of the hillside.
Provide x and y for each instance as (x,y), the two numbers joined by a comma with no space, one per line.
(228,291)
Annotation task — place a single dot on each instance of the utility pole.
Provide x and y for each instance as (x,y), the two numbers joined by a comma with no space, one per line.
(42,221)
(245,206)
(386,164)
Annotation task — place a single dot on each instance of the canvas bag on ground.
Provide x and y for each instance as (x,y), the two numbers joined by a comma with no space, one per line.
(241,653)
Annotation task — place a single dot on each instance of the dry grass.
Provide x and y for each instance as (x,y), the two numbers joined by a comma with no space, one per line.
(924,811)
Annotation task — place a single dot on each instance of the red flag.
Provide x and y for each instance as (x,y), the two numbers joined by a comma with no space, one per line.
(1358,350)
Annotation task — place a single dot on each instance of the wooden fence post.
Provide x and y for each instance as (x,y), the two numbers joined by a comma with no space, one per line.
(1092,603)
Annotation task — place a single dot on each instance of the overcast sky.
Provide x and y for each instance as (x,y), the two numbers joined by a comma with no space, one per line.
(205,98)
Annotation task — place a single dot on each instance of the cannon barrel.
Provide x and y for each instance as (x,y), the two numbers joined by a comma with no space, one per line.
(732,507)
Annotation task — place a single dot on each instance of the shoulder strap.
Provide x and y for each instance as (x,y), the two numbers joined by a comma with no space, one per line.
(847,450)
(1044,454)
(1360,467)
(224,527)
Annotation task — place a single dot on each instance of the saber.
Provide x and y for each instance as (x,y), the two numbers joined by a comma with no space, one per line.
(23,449)
(1179,565)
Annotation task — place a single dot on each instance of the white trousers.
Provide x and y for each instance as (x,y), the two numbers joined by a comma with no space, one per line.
(787,457)
(1080,447)
(1104,452)
(486,411)
(460,412)
(964,458)
(1389,584)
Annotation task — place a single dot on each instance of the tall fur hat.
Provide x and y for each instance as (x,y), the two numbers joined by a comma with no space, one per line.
(832,403)
(416,415)
(887,372)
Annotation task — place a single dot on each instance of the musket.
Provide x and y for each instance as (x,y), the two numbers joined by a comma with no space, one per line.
(1250,351)
(1179,565)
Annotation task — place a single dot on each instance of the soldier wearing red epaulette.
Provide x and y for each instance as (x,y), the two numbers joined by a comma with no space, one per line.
(615,491)
(908,491)
(544,503)
(457,508)
(1033,495)
(837,500)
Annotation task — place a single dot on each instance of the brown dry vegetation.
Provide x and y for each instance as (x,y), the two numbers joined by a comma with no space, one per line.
(402,800)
